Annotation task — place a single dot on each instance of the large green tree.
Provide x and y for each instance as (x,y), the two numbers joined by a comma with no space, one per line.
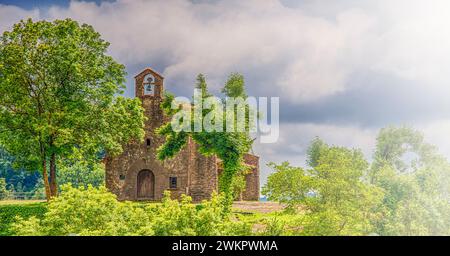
(287,184)
(333,193)
(416,181)
(405,191)
(58,98)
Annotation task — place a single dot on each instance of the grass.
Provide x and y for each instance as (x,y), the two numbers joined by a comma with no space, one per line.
(19,202)
(24,209)
(255,206)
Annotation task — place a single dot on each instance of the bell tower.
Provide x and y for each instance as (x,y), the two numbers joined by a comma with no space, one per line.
(150,90)
(137,174)
(149,84)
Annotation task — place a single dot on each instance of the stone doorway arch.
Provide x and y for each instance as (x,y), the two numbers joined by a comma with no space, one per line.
(145,185)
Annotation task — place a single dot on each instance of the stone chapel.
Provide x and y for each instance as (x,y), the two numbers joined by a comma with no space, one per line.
(137,174)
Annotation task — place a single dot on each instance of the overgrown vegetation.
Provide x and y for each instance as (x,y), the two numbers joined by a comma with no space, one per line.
(60,113)
(9,212)
(340,193)
(82,174)
(95,211)
(405,191)
(229,146)
(18,181)
(58,98)
(25,185)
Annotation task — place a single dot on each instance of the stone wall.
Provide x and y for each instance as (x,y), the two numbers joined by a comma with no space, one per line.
(203,175)
(122,171)
(197,175)
(251,192)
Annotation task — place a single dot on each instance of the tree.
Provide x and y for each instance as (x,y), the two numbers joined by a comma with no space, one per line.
(341,194)
(57,97)
(314,151)
(202,86)
(288,185)
(416,183)
(234,86)
(334,195)
(82,174)
(3,189)
(17,178)
(229,146)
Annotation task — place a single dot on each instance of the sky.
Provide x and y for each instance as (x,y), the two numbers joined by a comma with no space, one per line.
(342,69)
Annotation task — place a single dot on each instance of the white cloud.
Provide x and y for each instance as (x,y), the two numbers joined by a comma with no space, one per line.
(417,42)
(296,137)
(12,14)
(437,133)
(301,54)
(307,57)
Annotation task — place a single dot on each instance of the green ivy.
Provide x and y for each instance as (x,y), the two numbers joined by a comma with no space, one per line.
(230,147)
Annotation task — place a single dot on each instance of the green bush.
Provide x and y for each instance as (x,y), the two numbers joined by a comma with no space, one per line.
(83,211)
(173,218)
(8,214)
(95,211)
(274,227)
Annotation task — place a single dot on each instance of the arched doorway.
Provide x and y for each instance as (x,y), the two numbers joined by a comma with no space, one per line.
(145,185)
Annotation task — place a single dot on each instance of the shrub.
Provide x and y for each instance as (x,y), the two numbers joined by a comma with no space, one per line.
(95,211)
(274,227)
(235,228)
(81,211)
(8,214)
(174,218)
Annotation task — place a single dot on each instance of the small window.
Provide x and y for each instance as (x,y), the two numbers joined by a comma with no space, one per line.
(148,142)
(122,177)
(173,182)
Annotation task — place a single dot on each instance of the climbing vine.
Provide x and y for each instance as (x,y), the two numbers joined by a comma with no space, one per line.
(229,146)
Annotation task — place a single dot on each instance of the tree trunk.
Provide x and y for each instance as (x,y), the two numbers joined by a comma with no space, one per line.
(53,183)
(46,183)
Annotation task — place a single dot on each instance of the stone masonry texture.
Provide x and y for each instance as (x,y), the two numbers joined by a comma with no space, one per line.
(196,175)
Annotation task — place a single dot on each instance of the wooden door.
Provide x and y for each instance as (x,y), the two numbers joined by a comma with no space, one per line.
(145,185)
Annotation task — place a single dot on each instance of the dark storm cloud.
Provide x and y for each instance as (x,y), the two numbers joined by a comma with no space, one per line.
(373,100)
